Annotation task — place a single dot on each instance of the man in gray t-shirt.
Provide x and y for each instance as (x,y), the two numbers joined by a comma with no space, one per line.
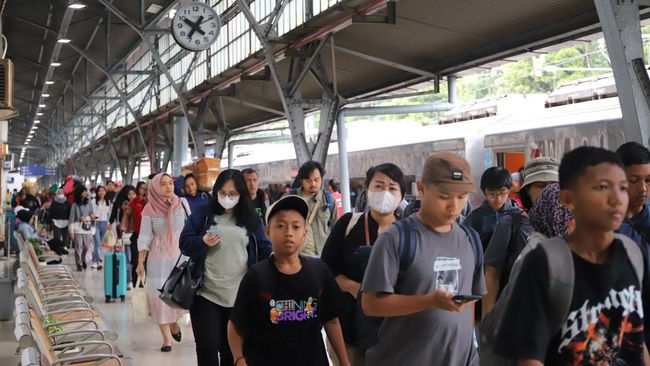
(423,325)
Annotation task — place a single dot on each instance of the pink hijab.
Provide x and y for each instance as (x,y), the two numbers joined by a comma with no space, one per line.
(160,206)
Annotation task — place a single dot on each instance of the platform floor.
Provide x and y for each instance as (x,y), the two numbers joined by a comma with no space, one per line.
(139,342)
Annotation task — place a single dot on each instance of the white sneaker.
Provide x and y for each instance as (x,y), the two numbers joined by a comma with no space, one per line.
(94,266)
(129,286)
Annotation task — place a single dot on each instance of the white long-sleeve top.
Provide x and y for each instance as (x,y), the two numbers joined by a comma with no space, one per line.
(102,210)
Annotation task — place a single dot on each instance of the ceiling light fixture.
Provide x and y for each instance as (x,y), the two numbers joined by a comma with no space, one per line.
(77,6)
(49,82)
(36,121)
(42,106)
(45,95)
(39,114)
(55,64)
(64,40)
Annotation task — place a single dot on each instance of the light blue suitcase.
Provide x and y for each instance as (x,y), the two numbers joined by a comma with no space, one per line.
(115,276)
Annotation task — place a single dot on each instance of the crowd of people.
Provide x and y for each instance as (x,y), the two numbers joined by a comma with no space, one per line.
(550,269)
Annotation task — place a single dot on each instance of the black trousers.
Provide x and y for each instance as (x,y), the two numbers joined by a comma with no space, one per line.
(134,257)
(210,327)
(61,234)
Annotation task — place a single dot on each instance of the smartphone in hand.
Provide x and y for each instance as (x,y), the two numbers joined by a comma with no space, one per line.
(460,299)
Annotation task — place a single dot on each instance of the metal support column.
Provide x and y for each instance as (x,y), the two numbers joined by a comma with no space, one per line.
(451,88)
(622,30)
(342,136)
(180,142)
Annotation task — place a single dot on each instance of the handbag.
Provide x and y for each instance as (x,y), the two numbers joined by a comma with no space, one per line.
(140,302)
(182,285)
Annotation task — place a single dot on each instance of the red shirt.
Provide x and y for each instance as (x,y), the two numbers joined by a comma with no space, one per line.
(137,205)
(339,202)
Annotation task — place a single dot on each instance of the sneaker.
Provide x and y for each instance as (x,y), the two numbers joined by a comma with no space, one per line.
(129,286)
(94,266)
(85,265)
(79,268)
(99,267)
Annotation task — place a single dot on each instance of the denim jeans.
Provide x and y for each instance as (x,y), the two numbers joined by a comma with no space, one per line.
(100,230)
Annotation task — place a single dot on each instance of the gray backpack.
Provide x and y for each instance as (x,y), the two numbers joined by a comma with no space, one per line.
(560,290)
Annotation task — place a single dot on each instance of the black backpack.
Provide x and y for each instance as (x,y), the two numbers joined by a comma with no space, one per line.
(515,246)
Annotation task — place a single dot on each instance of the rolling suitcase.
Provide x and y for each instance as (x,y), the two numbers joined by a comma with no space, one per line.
(115,275)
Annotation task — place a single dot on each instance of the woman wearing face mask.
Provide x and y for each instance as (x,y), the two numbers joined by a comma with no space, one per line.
(162,222)
(229,237)
(347,248)
(60,215)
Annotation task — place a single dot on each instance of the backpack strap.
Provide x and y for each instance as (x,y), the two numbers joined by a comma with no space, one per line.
(635,256)
(331,203)
(477,246)
(561,278)
(353,221)
(407,244)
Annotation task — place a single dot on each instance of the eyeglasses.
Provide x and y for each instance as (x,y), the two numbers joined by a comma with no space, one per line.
(231,194)
(495,195)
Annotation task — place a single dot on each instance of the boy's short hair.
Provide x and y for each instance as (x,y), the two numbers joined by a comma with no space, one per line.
(633,153)
(287,203)
(576,162)
(495,178)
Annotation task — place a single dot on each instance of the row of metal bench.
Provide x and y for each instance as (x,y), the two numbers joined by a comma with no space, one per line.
(56,322)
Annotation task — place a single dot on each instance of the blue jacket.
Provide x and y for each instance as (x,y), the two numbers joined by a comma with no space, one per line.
(194,202)
(196,226)
(641,222)
(484,219)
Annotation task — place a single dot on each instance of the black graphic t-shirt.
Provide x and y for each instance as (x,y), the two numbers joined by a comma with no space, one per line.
(605,322)
(280,316)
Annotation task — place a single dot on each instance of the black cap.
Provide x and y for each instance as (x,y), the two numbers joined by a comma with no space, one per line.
(290,202)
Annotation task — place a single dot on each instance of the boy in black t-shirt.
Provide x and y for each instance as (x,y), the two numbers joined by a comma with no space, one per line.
(284,301)
(605,320)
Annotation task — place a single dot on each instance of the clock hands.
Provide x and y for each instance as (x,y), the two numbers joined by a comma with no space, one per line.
(196,27)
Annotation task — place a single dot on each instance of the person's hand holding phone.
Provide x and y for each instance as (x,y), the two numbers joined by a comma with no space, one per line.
(211,239)
(444,300)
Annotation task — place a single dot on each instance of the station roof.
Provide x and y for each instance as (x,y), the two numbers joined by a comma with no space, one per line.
(380,52)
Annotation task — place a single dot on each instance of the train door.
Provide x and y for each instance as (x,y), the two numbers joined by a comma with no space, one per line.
(511,160)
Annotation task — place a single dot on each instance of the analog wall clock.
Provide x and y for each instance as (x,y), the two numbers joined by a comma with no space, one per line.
(196,26)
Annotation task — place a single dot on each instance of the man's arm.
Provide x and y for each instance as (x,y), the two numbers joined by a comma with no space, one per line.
(335,336)
(391,305)
(236,342)
(492,276)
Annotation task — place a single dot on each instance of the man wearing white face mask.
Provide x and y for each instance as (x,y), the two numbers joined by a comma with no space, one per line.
(228,236)
(347,249)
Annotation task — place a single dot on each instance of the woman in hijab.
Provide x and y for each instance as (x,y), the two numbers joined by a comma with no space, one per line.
(162,222)
(548,217)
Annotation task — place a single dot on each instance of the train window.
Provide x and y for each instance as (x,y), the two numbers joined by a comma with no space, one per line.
(602,141)
(585,142)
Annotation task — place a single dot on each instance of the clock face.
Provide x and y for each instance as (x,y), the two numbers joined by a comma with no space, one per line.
(196,26)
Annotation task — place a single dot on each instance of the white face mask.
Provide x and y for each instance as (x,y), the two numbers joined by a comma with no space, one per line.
(383,202)
(60,197)
(228,202)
